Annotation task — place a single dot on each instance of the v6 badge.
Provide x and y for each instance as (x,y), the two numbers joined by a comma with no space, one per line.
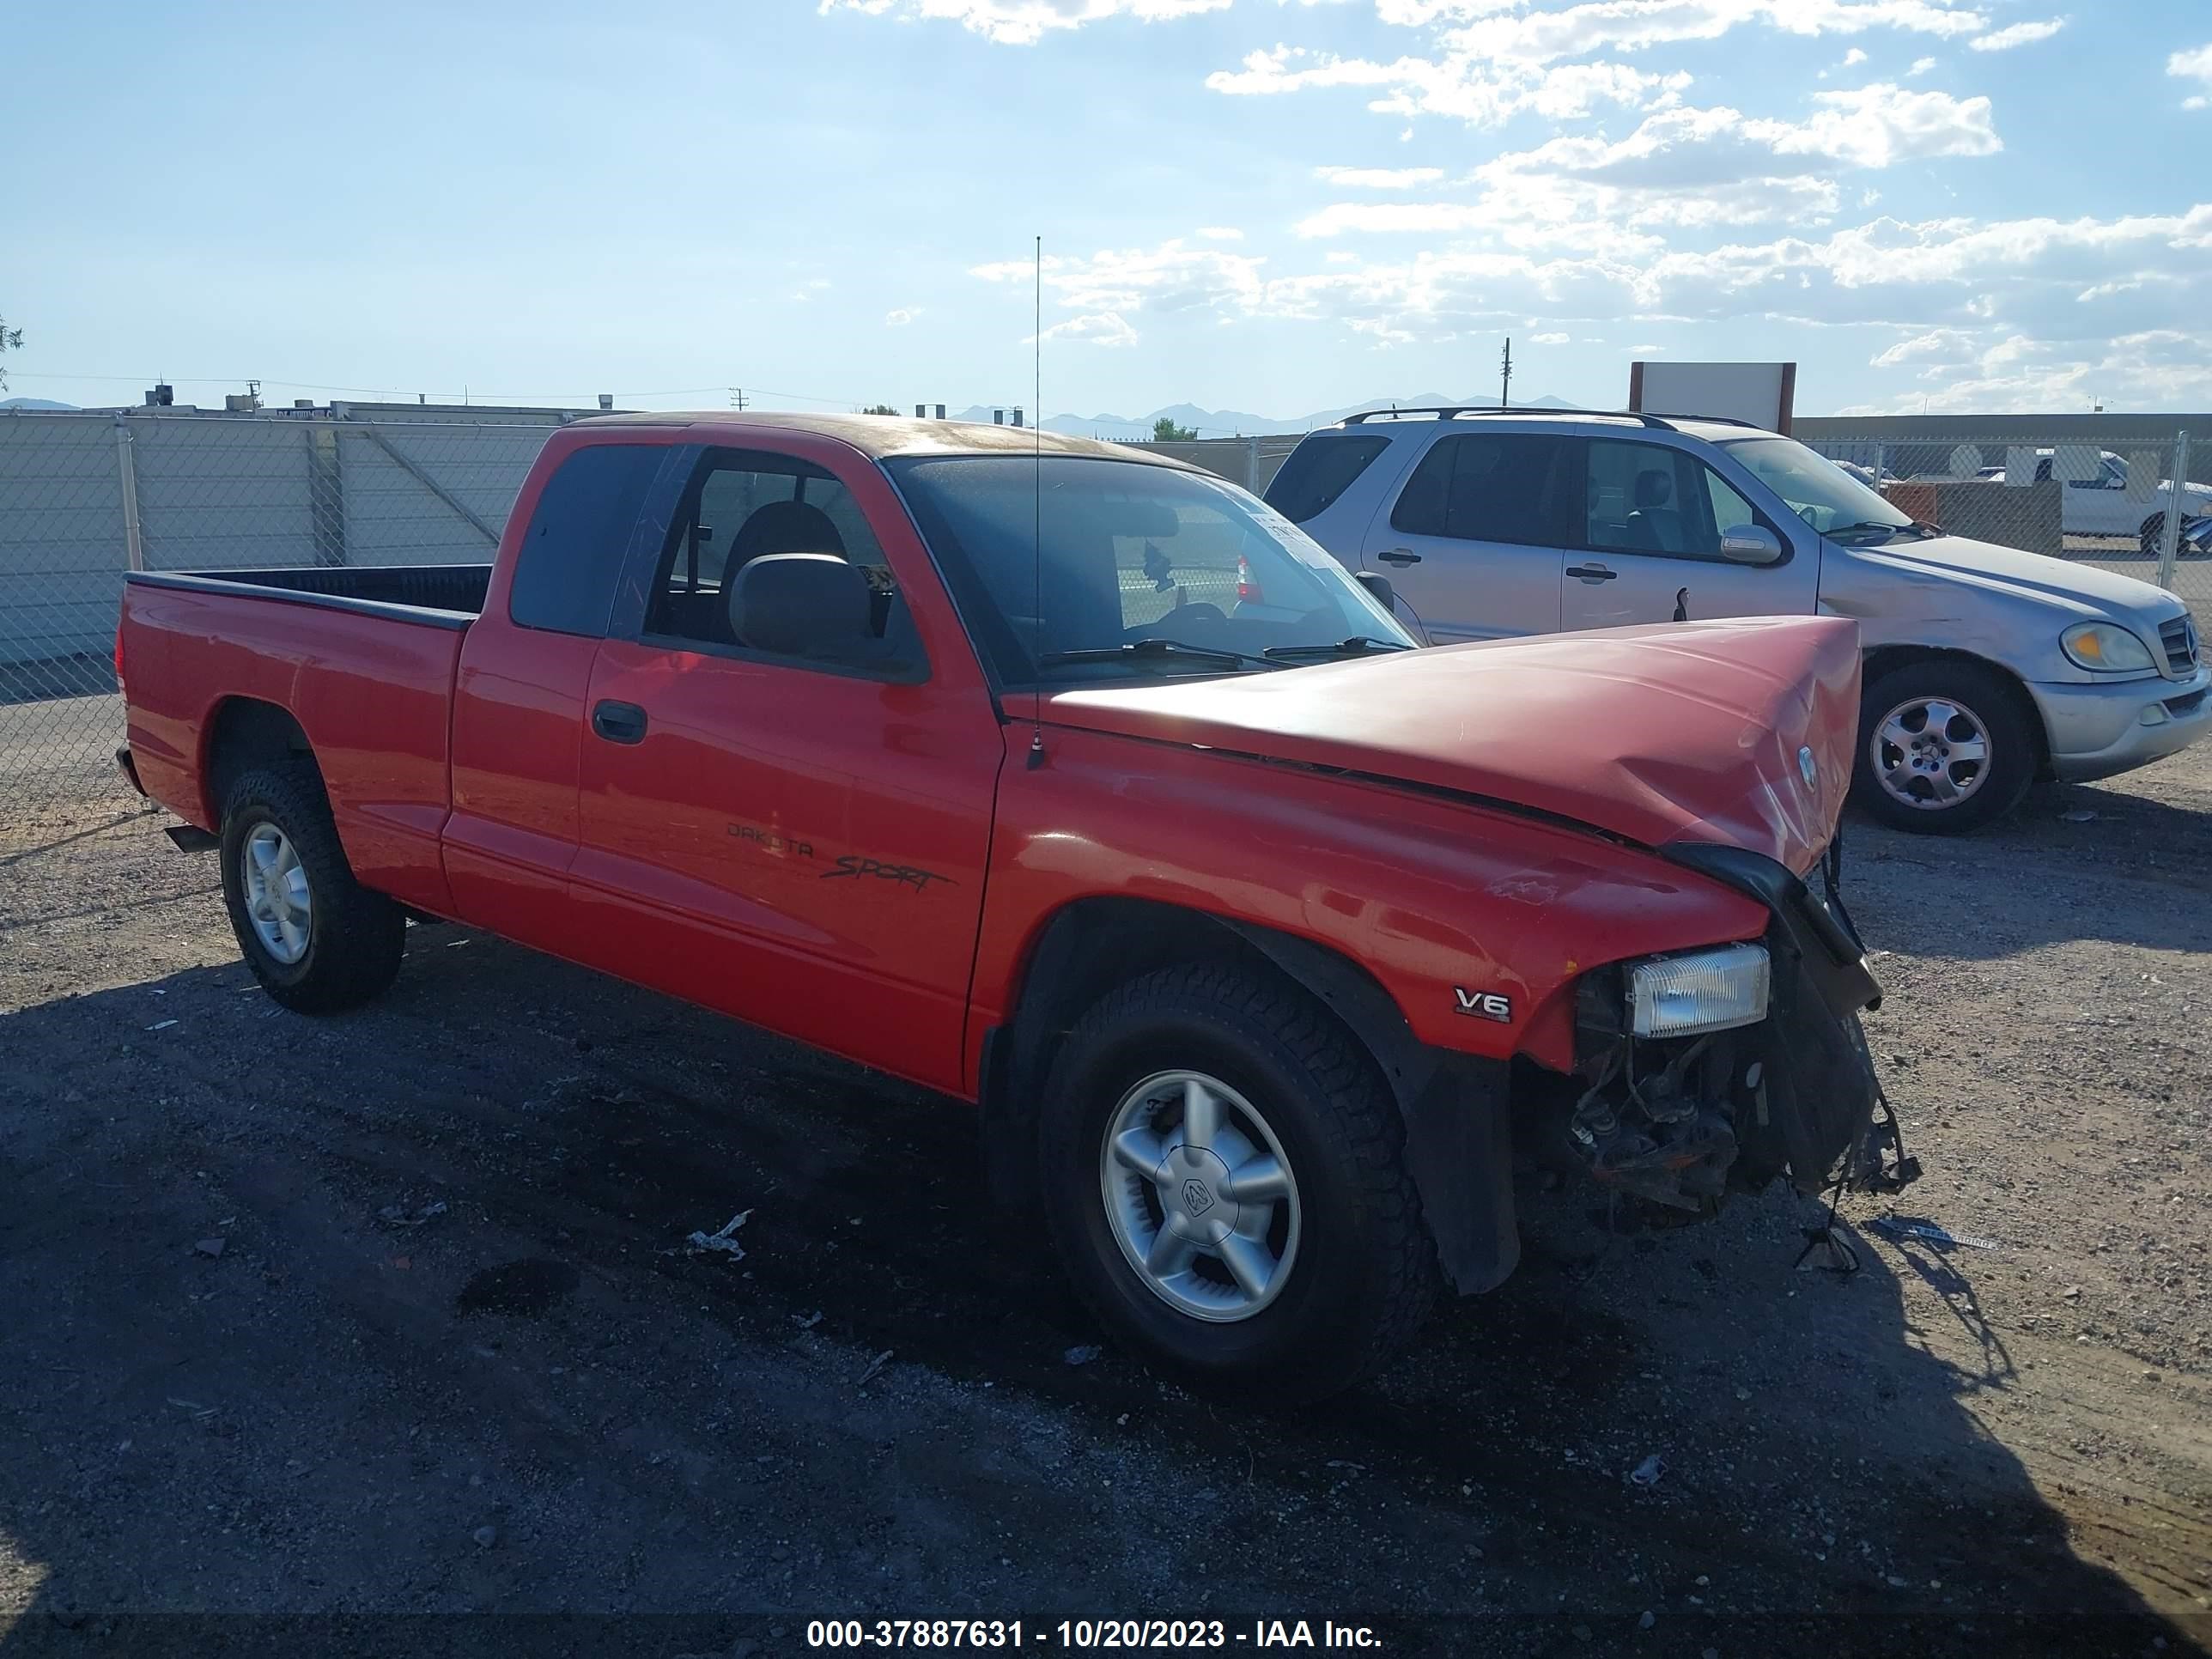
(1484,1004)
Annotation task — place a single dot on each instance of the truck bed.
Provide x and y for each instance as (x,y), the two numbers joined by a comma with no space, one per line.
(445,595)
(361,659)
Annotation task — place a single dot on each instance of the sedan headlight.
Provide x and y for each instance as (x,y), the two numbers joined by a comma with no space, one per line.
(1700,991)
(2106,648)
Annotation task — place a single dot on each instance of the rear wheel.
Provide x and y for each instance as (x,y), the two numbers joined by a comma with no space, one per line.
(1944,747)
(1224,1182)
(317,940)
(2152,534)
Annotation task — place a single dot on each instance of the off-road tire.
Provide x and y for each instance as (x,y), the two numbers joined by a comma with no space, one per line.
(355,936)
(2005,714)
(1365,1272)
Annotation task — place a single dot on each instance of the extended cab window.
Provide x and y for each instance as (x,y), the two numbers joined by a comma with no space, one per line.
(1318,472)
(1487,487)
(572,555)
(742,507)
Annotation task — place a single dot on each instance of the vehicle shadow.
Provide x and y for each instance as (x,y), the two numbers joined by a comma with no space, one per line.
(2076,861)
(283,1289)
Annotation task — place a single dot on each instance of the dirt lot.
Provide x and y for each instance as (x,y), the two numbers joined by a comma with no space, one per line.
(252,1366)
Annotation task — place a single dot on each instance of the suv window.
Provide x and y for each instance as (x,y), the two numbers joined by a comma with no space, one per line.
(742,505)
(1487,487)
(1318,472)
(572,555)
(1647,498)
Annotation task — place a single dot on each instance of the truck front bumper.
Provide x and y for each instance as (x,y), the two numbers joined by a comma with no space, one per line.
(2097,731)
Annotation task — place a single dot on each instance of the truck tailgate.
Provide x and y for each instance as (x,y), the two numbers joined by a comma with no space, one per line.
(369,684)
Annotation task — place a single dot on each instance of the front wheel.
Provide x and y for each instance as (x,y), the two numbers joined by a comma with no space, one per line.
(317,940)
(1224,1181)
(2152,534)
(1945,746)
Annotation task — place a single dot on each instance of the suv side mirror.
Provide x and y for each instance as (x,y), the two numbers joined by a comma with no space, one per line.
(1379,588)
(803,604)
(1751,544)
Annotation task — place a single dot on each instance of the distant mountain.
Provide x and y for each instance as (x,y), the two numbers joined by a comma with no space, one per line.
(1241,424)
(32,403)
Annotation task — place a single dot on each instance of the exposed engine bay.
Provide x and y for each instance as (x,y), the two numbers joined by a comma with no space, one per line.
(1781,1083)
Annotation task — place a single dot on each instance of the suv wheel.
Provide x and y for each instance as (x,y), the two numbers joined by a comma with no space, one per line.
(316,939)
(1224,1181)
(1944,747)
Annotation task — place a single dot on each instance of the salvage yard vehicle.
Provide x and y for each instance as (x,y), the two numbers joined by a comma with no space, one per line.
(2103,505)
(1986,667)
(1265,942)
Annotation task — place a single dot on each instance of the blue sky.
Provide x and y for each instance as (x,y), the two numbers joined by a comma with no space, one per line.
(1275,205)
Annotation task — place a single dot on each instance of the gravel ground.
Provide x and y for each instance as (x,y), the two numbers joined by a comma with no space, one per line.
(359,1324)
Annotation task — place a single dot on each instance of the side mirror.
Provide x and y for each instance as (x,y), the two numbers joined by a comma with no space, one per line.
(1751,544)
(1378,585)
(803,604)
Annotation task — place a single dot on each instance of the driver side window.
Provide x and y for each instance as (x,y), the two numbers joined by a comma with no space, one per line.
(743,506)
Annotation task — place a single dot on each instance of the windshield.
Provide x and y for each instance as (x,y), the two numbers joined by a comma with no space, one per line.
(1817,489)
(1118,554)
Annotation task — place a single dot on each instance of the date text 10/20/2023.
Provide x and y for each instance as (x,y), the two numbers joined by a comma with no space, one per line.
(1084,1634)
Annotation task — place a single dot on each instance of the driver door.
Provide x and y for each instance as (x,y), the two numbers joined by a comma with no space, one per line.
(1650,540)
(797,841)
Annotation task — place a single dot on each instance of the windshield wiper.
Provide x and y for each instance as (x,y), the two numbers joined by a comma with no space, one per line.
(1879,532)
(1141,650)
(1358,646)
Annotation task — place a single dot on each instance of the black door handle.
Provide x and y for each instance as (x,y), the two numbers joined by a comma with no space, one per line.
(619,722)
(1399,556)
(1591,573)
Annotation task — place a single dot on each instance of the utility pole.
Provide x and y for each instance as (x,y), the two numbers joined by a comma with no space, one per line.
(737,399)
(1506,384)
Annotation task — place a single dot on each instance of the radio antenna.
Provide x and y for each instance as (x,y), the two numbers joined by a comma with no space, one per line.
(1036,520)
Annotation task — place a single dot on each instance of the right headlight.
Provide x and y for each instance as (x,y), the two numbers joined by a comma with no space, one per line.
(1698,991)
(2106,648)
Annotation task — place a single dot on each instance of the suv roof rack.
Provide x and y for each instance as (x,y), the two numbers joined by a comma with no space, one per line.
(1449,412)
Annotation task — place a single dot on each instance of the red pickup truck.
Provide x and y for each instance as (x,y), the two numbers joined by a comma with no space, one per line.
(1082,786)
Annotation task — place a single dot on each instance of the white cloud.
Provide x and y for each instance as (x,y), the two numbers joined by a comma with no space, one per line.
(1684,168)
(1919,278)
(1103,328)
(2019,35)
(1644,350)
(1937,345)
(2150,368)
(1920,67)
(1552,339)
(1220,233)
(1479,90)
(1878,124)
(901,317)
(1023,23)
(1854,57)
(2195,65)
(1379,178)
(1577,31)
(1171,278)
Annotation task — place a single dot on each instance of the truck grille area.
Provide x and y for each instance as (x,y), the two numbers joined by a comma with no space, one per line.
(2178,637)
(1813,1098)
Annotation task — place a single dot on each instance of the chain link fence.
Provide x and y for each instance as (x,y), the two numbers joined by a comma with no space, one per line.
(85,497)
(2118,508)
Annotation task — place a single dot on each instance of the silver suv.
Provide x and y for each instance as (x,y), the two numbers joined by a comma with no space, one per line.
(1986,667)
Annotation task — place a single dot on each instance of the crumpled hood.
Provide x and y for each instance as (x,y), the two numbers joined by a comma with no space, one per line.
(1683,731)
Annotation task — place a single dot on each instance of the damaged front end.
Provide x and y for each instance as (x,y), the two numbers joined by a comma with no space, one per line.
(1717,1069)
